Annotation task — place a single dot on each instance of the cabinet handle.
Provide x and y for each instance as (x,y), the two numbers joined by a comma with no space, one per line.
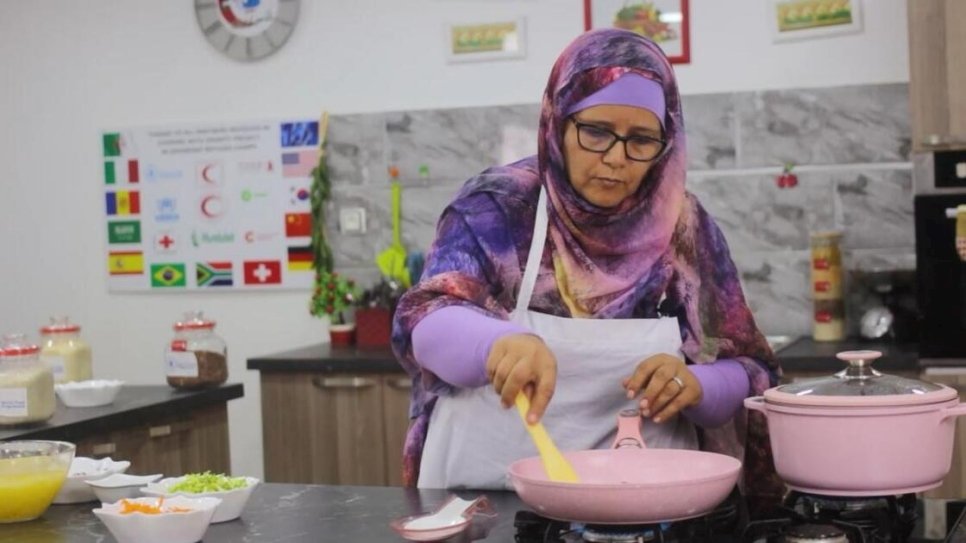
(939,140)
(401,383)
(102,449)
(159,431)
(342,382)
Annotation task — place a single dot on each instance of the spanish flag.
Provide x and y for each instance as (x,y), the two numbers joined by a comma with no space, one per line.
(125,262)
(123,202)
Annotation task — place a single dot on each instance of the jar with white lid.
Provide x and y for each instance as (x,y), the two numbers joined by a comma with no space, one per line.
(26,383)
(196,357)
(67,354)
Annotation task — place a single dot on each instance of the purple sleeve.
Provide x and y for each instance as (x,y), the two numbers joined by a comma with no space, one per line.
(453,342)
(726,385)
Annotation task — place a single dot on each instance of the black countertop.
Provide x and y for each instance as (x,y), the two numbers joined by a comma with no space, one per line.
(133,403)
(324,358)
(807,355)
(292,513)
(304,513)
(800,355)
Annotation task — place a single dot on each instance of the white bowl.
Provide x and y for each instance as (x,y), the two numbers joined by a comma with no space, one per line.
(88,393)
(83,469)
(187,527)
(232,501)
(120,486)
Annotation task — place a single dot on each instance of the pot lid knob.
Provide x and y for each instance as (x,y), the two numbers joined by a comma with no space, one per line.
(860,364)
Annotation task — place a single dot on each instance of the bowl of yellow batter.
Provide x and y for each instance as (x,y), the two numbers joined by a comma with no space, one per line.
(31,473)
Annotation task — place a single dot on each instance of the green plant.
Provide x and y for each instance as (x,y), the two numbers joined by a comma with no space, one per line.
(333,293)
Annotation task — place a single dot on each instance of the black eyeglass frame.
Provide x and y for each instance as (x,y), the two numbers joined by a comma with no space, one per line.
(618,138)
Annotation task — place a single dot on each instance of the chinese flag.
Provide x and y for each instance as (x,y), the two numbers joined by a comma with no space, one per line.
(298,224)
(263,272)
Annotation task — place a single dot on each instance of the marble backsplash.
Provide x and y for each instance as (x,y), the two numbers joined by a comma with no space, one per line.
(851,145)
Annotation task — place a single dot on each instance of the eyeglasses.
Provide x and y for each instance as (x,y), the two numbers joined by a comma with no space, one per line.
(597,139)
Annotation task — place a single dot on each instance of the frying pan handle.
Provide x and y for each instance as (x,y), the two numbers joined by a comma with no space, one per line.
(629,430)
(755,403)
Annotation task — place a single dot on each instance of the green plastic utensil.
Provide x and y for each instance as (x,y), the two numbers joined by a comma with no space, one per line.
(392,261)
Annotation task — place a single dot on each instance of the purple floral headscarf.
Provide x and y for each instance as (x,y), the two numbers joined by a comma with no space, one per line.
(598,262)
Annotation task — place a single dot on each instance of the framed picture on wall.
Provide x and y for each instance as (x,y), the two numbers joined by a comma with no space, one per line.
(664,21)
(792,20)
(492,40)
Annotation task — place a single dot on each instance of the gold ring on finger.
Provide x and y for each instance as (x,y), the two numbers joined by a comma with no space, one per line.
(680,383)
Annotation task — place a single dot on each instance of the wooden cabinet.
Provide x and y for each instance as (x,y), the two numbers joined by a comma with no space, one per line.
(173,445)
(937,73)
(954,485)
(339,428)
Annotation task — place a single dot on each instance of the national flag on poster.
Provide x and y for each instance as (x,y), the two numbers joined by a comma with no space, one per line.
(124,232)
(263,272)
(167,275)
(125,262)
(298,225)
(300,258)
(299,134)
(213,274)
(123,202)
(165,242)
(299,163)
(124,171)
(112,144)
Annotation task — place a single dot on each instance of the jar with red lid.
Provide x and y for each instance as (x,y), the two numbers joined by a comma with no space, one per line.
(196,357)
(67,354)
(26,383)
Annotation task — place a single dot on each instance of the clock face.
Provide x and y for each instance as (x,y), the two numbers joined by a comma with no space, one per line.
(247,30)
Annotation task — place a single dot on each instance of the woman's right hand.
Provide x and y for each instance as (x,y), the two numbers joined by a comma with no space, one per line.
(519,360)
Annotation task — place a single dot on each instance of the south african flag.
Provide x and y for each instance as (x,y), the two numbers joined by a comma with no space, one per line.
(213,274)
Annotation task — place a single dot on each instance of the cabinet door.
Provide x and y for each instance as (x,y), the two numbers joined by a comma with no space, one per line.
(937,73)
(323,429)
(348,445)
(396,390)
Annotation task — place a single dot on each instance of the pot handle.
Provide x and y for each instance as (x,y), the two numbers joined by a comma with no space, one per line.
(954,411)
(629,430)
(755,403)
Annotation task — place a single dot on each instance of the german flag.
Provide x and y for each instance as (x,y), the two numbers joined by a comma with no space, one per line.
(300,258)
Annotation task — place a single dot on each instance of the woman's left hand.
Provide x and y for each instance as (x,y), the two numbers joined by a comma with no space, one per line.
(668,385)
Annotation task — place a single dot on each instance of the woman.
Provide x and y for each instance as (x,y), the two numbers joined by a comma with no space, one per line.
(588,278)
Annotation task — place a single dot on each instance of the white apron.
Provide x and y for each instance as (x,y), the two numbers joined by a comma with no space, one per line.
(472,440)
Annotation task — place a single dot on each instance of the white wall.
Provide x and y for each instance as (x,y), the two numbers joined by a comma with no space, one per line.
(71,69)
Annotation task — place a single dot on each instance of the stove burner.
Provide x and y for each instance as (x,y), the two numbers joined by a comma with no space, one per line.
(598,533)
(814,533)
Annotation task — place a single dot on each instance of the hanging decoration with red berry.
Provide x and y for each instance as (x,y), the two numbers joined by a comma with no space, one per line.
(333,293)
(787,179)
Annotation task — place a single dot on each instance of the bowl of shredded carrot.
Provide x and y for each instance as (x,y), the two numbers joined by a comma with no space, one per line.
(158,520)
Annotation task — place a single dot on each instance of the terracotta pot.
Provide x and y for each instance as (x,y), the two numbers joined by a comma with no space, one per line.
(861,433)
(342,335)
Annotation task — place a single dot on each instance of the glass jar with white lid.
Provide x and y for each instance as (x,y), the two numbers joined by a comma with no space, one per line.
(26,383)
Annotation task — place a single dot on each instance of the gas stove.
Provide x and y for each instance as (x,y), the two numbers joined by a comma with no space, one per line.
(801,518)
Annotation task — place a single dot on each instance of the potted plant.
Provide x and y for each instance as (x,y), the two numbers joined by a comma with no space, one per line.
(333,294)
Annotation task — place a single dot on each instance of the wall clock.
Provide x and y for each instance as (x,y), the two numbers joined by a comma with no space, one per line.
(247,30)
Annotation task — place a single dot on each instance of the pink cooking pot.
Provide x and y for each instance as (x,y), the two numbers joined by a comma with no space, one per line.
(859,432)
(628,484)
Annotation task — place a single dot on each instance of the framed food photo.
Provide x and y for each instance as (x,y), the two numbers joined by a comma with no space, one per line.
(664,21)
(792,20)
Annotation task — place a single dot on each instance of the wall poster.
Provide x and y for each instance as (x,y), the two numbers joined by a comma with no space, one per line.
(209,206)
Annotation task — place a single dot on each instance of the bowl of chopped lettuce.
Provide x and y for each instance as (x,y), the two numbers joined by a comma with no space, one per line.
(232,491)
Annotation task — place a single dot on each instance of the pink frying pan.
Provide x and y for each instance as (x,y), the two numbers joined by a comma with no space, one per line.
(629,484)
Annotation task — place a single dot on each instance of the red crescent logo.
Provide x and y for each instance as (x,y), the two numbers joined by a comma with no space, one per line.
(211,206)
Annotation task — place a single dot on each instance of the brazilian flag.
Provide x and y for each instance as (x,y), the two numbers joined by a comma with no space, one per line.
(167,275)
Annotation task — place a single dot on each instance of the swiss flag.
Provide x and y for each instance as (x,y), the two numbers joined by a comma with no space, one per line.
(263,272)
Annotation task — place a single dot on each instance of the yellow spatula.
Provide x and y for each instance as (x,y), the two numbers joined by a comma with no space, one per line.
(558,468)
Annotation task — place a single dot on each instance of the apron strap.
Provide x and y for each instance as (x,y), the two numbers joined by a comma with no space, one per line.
(536,253)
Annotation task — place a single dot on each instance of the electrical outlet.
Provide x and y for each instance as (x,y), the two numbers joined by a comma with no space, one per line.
(352,220)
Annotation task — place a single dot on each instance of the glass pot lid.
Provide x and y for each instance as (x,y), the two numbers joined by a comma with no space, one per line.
(859,384)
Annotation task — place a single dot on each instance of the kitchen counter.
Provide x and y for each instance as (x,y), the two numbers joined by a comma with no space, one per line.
(297,513)
(134,403)
(324,358)
(807,355)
